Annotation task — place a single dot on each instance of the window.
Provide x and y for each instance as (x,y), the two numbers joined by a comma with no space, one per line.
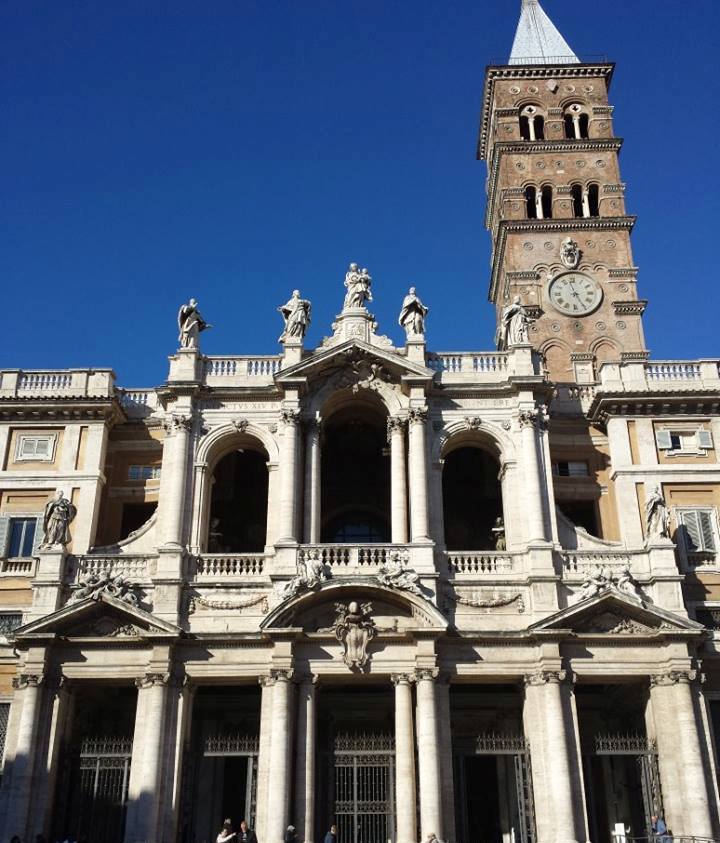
(577,123)
(40,448)
(143,472)
(593,200)
(4,715)
(684,442)
(698,529)
(22,537)
(572,468)
(532,124)
(577,200)
(531,202)
(546,199)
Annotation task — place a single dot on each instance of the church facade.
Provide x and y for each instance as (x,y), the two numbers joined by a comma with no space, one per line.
(400,590)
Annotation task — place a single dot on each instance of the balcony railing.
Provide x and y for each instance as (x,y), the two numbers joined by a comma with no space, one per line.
(490,365)
(135,567)
(659,375)
(18,566)
(229,566)
(479,562)
(240,371)
(57,383)
(353,555)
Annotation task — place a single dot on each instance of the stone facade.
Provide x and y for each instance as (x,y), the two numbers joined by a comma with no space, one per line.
(401,590)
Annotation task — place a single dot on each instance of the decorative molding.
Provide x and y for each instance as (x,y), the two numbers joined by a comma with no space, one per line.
(504,599)
(27,680)
(545,677)
(150,680)
(474,423)
(630,308)
(241,425)
(354,628)
(673,677)
(195,600)
(619,272)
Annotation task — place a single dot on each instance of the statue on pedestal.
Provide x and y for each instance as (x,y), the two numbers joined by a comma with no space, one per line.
(657,517)
(514,324)
(296,314)
(190,324)
(412,315)
(59,513)
(357,283)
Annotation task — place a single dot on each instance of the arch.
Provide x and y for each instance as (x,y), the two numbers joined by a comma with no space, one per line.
(483,435)
(335,391)
(531,202)
(556,354)
(359,589)
(577,120)
(605,350)
(546,200)
(577,193)
(221,440)
(532,122)
(593,193)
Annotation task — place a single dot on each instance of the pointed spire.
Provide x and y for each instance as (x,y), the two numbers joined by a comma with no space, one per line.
(537,40)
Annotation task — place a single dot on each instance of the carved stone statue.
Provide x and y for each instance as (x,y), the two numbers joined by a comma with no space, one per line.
(354,628)
(498,531)
(412,314)
(190,324)
(311,573)
(625,584)
(657,517)
(394,574)
(119,587)
(357,283)
(570,253)
(296,314)
(514,325)
(59,513)
(595,581)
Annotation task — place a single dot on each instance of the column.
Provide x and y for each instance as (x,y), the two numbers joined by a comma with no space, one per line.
(18,780)
(288,476)
(442,691)
(398,480)
(533,497)
(174,478)
(682,771)
(59,705)
(278,797)
(305,761)
(405,807)
(263,771)
(431,819)
(146,769)
(418,476)
(549,728)
(312,482)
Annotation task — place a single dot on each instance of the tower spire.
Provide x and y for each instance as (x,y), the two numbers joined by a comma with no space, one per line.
(537,39)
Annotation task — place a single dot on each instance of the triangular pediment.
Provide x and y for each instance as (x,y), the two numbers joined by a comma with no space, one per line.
(102,616)
(613,613)
(355,355)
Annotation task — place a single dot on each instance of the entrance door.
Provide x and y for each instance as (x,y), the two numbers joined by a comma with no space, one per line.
(364,788)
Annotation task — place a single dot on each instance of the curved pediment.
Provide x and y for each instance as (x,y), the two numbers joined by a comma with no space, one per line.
(392,610)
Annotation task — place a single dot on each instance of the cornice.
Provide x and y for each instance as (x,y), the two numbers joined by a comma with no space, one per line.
(564,225)
(698,402)
(545,71)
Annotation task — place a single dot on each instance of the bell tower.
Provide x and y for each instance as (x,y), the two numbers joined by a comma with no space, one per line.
(556,203)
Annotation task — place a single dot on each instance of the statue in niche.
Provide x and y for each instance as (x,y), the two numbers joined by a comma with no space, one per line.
(657,517)
(394,574)
(354,628)
(190,325)
(570,253)
(514,324)
(498,531)
(296,314)
(412,314)
(59,514)
(311,573)
(357,283)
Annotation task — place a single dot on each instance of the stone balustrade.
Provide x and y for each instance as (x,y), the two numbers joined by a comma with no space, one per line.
(18,567)
(138,403)
(57,383)
(476,365)
(576,564)
(572,398)
(241,370)
(138,568)
(482,562)
(659,375)
(354,555)
(224,566)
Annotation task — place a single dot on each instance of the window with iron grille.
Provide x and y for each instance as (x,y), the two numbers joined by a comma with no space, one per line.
(4,715)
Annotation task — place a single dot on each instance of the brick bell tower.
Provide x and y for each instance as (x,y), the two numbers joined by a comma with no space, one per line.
(556,203)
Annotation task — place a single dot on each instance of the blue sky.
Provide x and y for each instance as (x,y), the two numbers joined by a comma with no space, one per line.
(236,150)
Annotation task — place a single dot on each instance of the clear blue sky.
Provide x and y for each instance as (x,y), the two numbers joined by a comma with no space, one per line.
(236,150)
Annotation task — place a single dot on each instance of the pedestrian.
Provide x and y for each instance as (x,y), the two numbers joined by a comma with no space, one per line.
(246,834)
(660,830)
(226,833)
(291,835)
(331,836)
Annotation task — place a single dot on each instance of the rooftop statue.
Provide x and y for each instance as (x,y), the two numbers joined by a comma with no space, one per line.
(296,314)
(190,324)
(515,322)
(412,315)
(357,283)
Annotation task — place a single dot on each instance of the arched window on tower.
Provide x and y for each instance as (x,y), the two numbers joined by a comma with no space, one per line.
(577,200)
(546,202)
(577,122)
(532,123)
(593,202)
(531,203)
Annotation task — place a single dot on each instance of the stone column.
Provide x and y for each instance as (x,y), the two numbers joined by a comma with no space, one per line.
(264,743)
(305,762)
(418,476)
(431,819)
(682,771)
(442,690)
(289,477)
(405,807)
(278,797)
(144,816)
(312,482)
(18,784)
(549,728)
(174,479)
(398,479)
(533,495)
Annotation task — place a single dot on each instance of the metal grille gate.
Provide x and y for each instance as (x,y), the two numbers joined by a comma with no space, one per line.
(365,788)
(102,795)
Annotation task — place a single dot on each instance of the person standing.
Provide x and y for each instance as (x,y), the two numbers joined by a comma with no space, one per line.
(246,834)
(331,836)
(291,835)
(660,830)
(226,833)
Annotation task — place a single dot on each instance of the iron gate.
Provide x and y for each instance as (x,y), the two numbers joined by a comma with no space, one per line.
(101,798)
(365,788)
(242,746)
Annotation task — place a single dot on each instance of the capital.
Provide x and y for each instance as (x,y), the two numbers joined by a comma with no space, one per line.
(290,416)
(280,675)
(27,680)
(395,424)
(402,678)
(545,677)
(418,415)
(673,677)
(150,680)
(176,422)
(426,674)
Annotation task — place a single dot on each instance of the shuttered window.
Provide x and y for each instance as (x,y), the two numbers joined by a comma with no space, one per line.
(699,533)
(684,441)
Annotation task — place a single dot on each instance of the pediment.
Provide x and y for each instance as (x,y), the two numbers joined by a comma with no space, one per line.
(98,617)
(613,613)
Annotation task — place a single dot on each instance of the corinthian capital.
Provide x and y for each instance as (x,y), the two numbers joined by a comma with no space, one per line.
(418,414)
(280,675)
(545,677)
(402,678)
(27,680)
(289,415)
(673,677)
(149,680)
(394,424)
(176,422)
(426,673)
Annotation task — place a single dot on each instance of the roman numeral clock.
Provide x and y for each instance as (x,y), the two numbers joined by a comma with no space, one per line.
(575,293)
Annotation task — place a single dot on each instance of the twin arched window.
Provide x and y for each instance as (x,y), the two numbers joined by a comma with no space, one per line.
(539,202)
(577,122)
(532,123)
(586,200)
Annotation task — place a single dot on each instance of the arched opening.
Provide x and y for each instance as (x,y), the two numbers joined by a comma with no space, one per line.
(547,202)
(472,499)
(584,123)
(532,124)
(238,503)
(604,352)
(594,200)
(531,208)
(355,477)
(577,123)
(577,200)
(557,363)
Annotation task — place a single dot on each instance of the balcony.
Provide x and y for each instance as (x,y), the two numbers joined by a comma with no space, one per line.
(56,383)
(660,376)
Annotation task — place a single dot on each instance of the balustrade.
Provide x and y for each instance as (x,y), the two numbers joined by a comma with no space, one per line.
(232,371)
(353,556)
(479,562)
(134,567)
(211,565)
(18,567)
(469,363)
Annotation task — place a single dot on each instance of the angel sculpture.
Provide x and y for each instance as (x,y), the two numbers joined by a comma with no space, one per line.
(354,628)
(190,324)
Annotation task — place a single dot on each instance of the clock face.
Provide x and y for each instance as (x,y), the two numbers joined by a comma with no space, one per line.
(574,293)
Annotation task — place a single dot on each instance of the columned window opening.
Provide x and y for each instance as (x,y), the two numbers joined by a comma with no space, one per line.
(238,505)
(577,123)
(472,499)
(531,202)
(547,202)
(622,783)
(355,477)
(92,796)
(593,200)
(532,124)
